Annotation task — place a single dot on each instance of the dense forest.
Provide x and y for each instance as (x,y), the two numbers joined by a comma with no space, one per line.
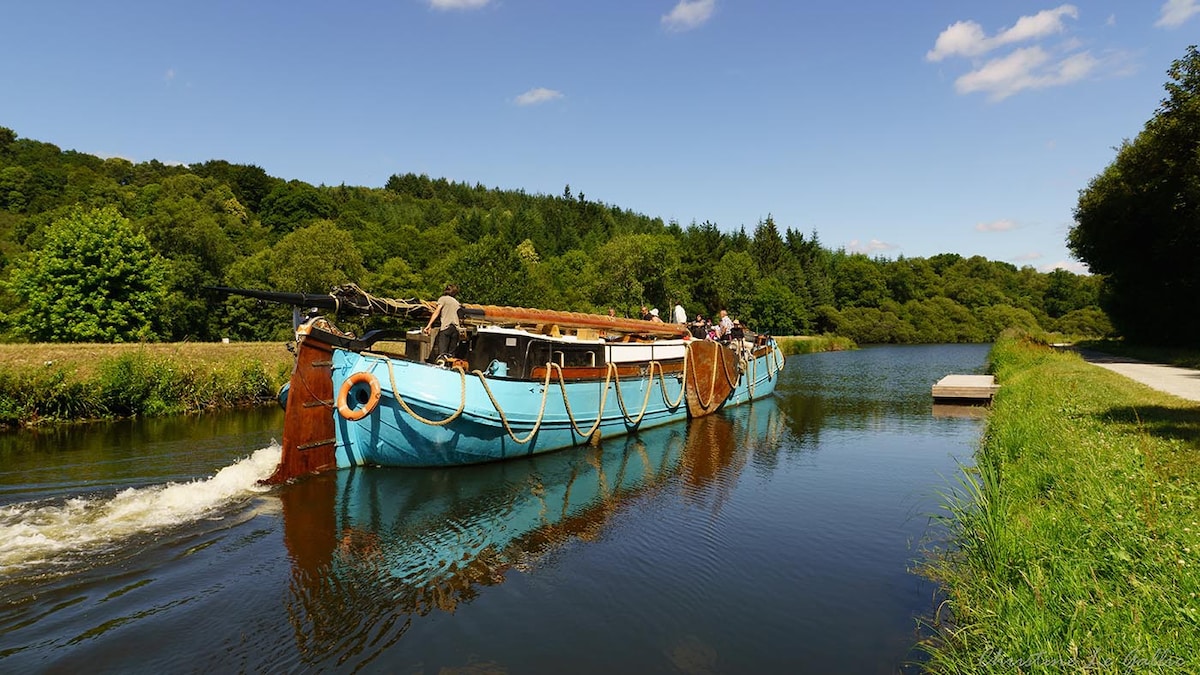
(96,249)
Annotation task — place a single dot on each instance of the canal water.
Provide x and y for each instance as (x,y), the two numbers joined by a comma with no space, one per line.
(774,537)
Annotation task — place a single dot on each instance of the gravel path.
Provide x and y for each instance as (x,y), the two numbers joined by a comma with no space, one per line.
(1182,382)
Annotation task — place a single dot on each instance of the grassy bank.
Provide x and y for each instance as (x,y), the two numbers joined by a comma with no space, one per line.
(53,383)
(811,344)
(1076,539)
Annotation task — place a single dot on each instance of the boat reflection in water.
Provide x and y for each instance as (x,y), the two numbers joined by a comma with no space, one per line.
(374,548)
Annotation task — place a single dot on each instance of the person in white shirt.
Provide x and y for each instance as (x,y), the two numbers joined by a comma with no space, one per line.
(680,315)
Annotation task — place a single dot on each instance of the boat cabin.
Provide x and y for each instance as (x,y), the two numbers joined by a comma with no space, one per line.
(520,354)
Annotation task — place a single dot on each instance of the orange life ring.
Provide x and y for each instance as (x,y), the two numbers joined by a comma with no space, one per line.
(343,405)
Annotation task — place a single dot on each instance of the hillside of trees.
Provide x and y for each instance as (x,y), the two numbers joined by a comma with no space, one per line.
(96,249)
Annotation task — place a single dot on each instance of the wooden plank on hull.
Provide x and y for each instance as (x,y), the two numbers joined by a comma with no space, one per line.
(308,420)
(710,377)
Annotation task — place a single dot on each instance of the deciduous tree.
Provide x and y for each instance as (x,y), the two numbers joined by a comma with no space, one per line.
(1138,222)
(94,280)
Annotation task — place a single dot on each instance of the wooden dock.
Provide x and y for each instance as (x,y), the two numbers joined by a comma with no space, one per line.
(965,388)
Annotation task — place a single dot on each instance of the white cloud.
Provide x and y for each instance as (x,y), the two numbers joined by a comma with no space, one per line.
(967,38)
(1175,13)
(689,14)
(169,75)
(1044,23)
(964,38)
(537,95)
(458,4)
(873,246)
(996,226)
(1027,257)
(1026,68)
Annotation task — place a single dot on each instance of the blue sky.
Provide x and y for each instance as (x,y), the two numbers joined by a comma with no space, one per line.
(891,128)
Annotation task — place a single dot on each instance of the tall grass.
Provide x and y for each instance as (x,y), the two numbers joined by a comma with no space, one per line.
(1075,539)
(135,383)
(806,344)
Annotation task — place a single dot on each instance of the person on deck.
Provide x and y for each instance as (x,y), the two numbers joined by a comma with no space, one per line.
(447,311)
(654,316)
(645,315)
(680,314)
(726,326)
(737,332)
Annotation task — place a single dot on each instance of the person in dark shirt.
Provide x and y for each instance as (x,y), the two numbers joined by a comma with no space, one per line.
(737,332)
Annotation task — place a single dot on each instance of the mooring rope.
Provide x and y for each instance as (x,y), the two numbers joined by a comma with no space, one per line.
(645,400)
(399,399)
(504,419)
(725,368)
(567,403)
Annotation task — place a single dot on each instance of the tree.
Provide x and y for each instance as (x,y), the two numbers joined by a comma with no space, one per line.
(699,246)
(974,282)
(493,273)
(941,319)
(94,280)
(7,138)
(295,204)
(1138,222)
(774,309)
(638,269)
(996,318)
(395,279)
(569,278)
(736,279)
(249,183)
(859,282)
(313,259)
(1065,292)
(767,247)
(871,325)
(1087,322)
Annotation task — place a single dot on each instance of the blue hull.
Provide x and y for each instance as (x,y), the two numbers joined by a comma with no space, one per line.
(431,416)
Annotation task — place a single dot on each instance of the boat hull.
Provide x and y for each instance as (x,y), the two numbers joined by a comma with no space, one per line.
(433,416)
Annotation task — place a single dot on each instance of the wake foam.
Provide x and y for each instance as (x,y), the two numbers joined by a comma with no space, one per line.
(35,532)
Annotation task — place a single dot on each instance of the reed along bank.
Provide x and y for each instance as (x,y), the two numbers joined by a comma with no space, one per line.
(812,344)
(41,383)
(1075,539)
